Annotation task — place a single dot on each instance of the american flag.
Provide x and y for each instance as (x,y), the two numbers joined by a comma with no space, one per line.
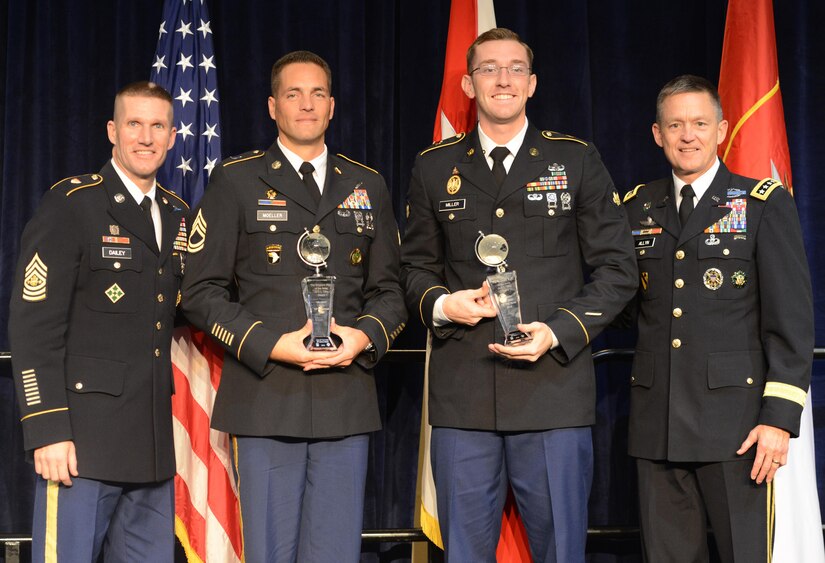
(207,513)
(185,65)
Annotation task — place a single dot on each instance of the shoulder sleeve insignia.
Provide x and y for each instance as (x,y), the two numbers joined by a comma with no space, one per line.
(632,193)
(75,183)
(763,189)
(348,159)
(242,157)
(34,281)
(174,196)
(443,143)
(553,136)
(197,237)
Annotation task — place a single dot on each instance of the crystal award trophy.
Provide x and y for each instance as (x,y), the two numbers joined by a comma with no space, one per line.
(491,250)
(318,290)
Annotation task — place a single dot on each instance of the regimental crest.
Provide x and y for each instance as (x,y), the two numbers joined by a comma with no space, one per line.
(114,293)
(114,230)
(34,280)
(453,184)
(197,238)
(181,242)
(271,194)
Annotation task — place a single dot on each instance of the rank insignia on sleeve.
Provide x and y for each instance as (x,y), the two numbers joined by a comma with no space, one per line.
(197,238)
(31,388)
(180,242)
(34,282)
(114,293)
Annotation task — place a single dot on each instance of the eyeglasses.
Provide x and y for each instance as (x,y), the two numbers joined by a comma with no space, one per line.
(492,69)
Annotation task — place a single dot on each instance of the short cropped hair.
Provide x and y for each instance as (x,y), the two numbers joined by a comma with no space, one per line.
(298,57)
(684,84)
(144,89)
(497,34)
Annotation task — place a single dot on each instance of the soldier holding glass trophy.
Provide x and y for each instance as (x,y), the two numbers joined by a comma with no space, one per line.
(294,270)
(526,225)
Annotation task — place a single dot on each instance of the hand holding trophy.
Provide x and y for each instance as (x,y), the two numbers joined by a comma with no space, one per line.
(491,250)
(318,290)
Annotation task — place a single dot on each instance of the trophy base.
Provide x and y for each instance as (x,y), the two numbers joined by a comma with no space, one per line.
(517,338)
(321,343)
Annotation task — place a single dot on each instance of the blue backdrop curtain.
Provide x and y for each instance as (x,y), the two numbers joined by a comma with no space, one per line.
(599,65)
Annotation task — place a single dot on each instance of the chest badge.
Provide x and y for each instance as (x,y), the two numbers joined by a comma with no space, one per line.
(114,293)
(713,279)
(739,279)
(453,184)
(273,253)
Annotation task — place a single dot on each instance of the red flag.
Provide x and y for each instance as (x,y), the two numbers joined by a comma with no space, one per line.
(757,146)
(457,114)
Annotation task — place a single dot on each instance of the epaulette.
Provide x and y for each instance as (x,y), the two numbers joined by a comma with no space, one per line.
(74,183)
(443,143)
(631,194)
(348,159)
(174,195)
(553,136)
(763,189)
(242,157)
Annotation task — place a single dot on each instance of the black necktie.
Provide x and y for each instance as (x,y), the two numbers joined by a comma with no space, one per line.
(306,171)
(146,205)
(498,155)
(686,207)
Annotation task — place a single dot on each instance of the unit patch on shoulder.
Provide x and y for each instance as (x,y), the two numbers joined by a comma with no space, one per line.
(763,189)
(197,238)
(34,280)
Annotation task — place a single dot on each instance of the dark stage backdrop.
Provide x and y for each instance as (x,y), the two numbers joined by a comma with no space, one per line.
(600,65)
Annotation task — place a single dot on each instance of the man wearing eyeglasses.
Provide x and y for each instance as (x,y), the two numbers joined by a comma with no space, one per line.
(517,413)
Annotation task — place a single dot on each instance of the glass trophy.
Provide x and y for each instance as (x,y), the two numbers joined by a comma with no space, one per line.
(318,290)
(491,250)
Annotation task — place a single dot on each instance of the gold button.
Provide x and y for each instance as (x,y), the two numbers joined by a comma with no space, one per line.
(451,216)
(160,298)
(157,352)
(677,312)
(116,265)
(499,213)
(680,283)
(273,228)
(316,229)
(676,343)
(160,271)
(359,229)
(726,252)
(632,378)
(680,254)
(158,325)
(642,252)
(78,386)
(749,381)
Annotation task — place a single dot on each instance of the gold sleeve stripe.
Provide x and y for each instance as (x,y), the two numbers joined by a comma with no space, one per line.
(785,391)
(174,195)
(581,324)
(258,154)
(442,144)
(421,303)
(376,319)
(52,490)
(240,346)
(222,334)
(44,412)
(358,163)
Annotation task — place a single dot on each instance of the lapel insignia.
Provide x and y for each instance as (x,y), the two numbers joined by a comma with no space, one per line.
(453,184)
(114,230)
(164,200)
(197,238)
(114,293)
(713,279)
(534,151)
(733,222)
(276,165)
(337,170)
(271,194)
(471,152)
(34,284)
(273,253)
(455,171)
(180,242)
(715,198)
(120,198)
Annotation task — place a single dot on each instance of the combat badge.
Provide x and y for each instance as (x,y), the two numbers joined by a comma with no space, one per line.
(355,257)
(739,279)
(453,184)
(273,253)
(713,279)
(34,284)
(114,293)
(197,238)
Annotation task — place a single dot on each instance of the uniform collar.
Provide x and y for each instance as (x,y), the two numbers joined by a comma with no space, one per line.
(513,145)
(700,185)
(132,188)
(319,163)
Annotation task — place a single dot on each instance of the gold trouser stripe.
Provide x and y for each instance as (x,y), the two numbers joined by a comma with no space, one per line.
(52,488)
(785,391)
(43,412)
(581,324)
(238,485)
(771,507)
(256,323)
(421,303)
(380,323)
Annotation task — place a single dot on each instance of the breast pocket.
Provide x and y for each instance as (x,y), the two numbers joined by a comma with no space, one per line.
(355,229)
(114,278)
(272,236)
(726,266)
(458,223)
(549,221)
(652,278)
